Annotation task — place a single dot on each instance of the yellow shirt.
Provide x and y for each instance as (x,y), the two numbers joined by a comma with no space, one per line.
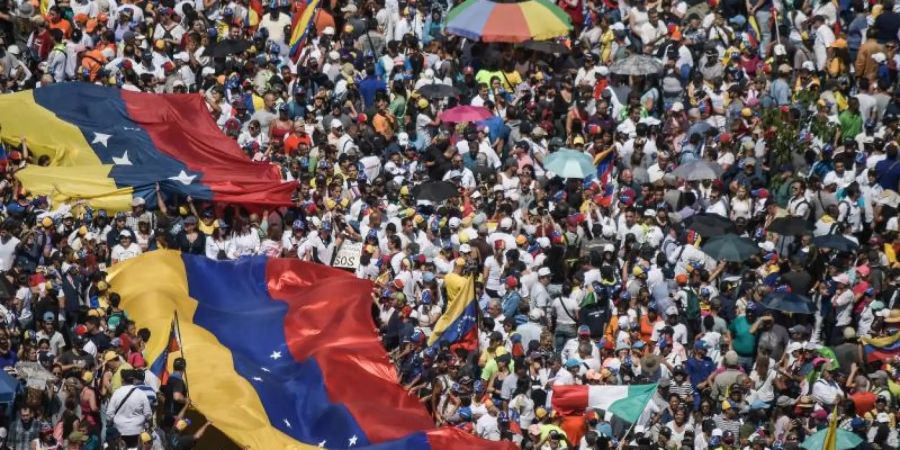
(116,380)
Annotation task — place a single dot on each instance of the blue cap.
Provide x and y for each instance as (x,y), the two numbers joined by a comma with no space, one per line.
(516,337)
(465,413)
(478,386)
(638,345)
(700,345)
(298,225)
(427,277)
(858,422)
(572,362)
(625,295)
(584,330)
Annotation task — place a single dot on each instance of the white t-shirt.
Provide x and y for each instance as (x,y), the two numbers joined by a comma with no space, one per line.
(120,253)
(8,253)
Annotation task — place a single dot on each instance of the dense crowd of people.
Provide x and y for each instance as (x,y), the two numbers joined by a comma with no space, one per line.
(602,280)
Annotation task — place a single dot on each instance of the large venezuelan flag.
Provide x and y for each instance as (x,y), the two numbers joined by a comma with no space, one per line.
(281,354)
(107,145)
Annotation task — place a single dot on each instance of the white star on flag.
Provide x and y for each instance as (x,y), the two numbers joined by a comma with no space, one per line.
(123,161)
(352,441)
(257,379)
(183,178)
(322,444)
(286,422)
(265,370)
(101,138)
(275,355)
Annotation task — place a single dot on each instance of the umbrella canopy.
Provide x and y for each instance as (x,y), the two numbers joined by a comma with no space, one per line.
(889,198)
(226,47)
(788,302)
(465,113)
(789,226)
(546,47)
(844,440)
(438,90)
(699,170)
(835,242)
(708,225)
(637,65)
(437,191)
(730,247)
(567,163)
(489,21)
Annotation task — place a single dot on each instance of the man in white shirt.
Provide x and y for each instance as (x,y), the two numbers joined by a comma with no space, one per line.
(8,245)
(824,39)
(129,409)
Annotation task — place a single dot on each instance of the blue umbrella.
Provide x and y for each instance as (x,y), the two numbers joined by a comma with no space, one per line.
(788,302)
(844,440)
(567,163)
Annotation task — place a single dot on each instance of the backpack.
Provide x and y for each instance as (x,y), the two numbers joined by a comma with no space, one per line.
(692,308)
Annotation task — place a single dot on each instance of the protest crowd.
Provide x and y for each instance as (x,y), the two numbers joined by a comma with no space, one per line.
(695,195)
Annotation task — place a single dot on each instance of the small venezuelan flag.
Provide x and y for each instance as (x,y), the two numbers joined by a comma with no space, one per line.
(302,27)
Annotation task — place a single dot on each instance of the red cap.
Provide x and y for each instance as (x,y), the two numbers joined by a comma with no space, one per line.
(511,281)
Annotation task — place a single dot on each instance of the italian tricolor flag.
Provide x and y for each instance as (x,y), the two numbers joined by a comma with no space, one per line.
(625,402)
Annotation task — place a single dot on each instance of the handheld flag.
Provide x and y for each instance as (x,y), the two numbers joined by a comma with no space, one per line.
(626,402)
(883,348)
(831,436)
(160,366)
(301,28)
(458,326)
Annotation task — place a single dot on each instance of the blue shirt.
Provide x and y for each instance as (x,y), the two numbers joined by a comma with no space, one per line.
(368,87)
(699,369)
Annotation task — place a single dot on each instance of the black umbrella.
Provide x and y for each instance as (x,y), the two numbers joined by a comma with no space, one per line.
(546,47)
(835,242)
(708,225)
(437,191)
(730,247)
(789,226)
(438,90)
(788,302)
(226,47)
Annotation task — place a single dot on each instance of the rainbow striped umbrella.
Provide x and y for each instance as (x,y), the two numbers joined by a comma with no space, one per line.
(490,21)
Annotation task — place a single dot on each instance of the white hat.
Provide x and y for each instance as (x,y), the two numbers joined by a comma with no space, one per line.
(671,311)
(506,223)
(328,31)
(882,417)
(208,71)
(336,123)
(793,347)
(177,83)
(649,212)
(403,139)
(716,432)
(767,246)
(677,107)
(808,65)
(107,52)
(350,8)
(334,55)
(543,241)
(462,146)
(780,50)
(476,194)
(428,74)
(544,272)
(454,222)
(609,248)
(124,233)
(465,248)
(602,71)
(138,201)
(182,56)
(879,57)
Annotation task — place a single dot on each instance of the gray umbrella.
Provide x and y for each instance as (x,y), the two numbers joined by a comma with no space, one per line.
(699,170)
(637,65)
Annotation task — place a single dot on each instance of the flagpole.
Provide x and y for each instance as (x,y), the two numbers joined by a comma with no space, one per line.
(181,345)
